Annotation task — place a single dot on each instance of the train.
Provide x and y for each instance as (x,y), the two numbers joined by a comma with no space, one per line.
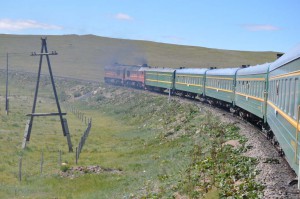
(265,94)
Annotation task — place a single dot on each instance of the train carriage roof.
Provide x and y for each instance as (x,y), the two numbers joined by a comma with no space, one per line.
(253,70)
(166,70)
(222,71)
(289,56)
(195,71)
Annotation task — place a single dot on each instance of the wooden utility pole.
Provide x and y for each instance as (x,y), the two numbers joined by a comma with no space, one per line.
(44,52)
(6,91)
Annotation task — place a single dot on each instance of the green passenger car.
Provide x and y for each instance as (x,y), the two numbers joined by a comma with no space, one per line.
(190,81)
(159,78)
(251,89)
(220,84)
(283,104)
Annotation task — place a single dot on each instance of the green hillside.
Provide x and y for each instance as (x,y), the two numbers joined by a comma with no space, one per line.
(85,56)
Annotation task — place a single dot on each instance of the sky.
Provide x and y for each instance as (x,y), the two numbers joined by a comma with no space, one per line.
(250,25)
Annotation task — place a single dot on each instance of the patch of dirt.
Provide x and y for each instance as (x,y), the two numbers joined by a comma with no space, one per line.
(77,171)
(234,143)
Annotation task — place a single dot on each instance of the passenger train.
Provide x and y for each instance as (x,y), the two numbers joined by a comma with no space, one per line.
(267,94)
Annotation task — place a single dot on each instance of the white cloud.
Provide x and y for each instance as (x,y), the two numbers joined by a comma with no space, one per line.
(122,16)
(260,27)
(15,25)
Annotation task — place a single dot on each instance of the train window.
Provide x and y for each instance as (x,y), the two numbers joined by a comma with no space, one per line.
(247,87)
(291,96)
(288,96)
(286,93)
(271,91)
(128,73)
(282,94)
(277,92)
(277,87)
(227,84)
(261,89)
(242,87)
(274,90)
(258,89)
(296,97)
(252,88)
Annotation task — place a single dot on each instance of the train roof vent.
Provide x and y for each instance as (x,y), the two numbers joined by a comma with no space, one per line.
(245,66)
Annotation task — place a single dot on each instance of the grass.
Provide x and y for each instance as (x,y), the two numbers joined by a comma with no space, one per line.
(159,147)
(85,56)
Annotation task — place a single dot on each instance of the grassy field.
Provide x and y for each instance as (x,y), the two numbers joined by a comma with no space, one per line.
(146,146)
(85,56)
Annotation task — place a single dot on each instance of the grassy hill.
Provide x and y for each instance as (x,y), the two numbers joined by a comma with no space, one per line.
(146,146)
(85,56)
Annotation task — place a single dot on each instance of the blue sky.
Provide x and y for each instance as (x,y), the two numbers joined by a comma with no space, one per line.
(254,25)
